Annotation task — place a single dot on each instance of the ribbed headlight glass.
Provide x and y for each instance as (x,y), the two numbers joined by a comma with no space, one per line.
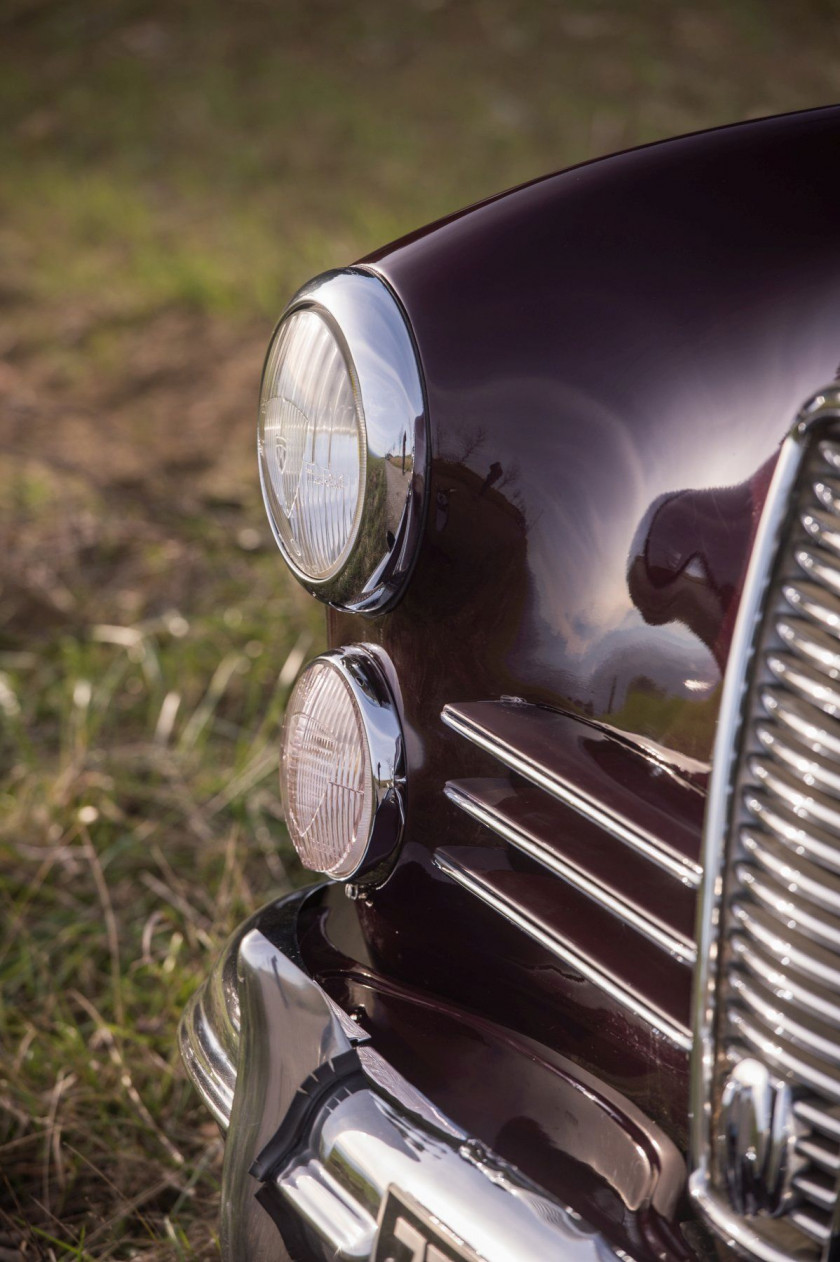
(312,445)
(326,778)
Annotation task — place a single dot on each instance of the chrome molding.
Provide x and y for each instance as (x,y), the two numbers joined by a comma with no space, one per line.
(674,944)
(558,946)
(779,929)
(208,1036)
(369,320)
(671,861)
(364,669)
(333,1179)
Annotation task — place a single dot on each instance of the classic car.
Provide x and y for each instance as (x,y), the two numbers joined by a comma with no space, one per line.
(565,470)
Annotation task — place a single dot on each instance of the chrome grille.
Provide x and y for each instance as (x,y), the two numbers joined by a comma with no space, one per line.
(776,996)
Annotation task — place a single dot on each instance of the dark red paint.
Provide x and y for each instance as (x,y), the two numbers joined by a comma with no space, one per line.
(612,358)
(572,1134)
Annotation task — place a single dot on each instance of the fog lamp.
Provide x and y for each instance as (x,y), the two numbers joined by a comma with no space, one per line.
(341,771)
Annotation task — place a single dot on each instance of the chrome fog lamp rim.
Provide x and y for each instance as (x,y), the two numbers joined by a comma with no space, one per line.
(383,363)
(363,669)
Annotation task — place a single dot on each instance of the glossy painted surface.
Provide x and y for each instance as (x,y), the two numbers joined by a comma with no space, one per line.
(612,357)
(571,1134)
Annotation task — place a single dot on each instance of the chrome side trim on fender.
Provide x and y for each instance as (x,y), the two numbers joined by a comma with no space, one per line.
(590,969)
(329,1145)
(645,843)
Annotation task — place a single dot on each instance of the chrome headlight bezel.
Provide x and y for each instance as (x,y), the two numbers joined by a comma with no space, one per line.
(373,332)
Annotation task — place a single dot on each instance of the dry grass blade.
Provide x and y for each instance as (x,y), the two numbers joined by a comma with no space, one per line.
(108,1040)
(203,712)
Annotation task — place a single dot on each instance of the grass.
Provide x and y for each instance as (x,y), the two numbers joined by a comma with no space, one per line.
(140,820)
(170,173)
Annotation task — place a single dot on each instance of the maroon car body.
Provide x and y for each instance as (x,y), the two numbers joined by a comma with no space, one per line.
(612,358)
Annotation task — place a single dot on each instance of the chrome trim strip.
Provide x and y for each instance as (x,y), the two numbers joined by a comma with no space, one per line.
(795,950)
(774,1016)
(590,969)
(819,565)
(789,833)
(781,1058)
(830,452)
(827,1123)
(777,897)
(815,1192)
(823,527)
(802,763)
(685,870)
(816,1230)
(799,798)
(827,490)
(822,1158)
(805,682)
(674,944)
(765,967)
(779,504)
(815,884)
(807,598)
(813,645)
(371,323)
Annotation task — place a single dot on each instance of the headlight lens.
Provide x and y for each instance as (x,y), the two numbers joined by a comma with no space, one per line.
(312,445)
(325,777)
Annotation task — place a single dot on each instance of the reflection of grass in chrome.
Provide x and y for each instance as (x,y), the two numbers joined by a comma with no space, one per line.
(688,723)
(372,544)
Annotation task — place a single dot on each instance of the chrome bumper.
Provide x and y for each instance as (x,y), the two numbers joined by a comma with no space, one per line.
(328,1148)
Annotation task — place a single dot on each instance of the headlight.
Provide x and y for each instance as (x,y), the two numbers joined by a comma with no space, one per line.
(342,765)
(342,441)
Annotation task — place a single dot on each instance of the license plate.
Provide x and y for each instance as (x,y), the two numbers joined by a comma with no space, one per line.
(408,1233)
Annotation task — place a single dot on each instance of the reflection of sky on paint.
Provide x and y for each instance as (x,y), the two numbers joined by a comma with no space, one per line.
(581,527)
(708,416)
(672,656)
(594,531)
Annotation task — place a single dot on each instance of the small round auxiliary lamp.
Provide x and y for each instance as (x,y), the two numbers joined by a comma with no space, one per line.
(342,771)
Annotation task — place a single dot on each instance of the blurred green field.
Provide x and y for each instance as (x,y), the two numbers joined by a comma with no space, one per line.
(169,173)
